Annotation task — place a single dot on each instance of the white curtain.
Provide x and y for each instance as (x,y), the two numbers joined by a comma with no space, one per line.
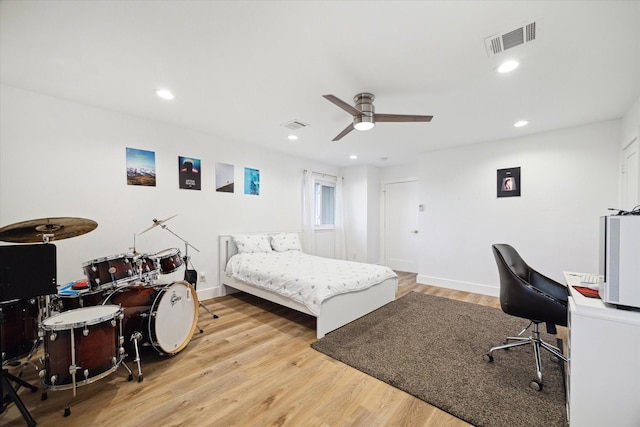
(308,238)
(340,239)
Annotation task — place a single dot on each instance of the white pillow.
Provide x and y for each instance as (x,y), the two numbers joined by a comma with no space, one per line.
(250,243)
(286,242)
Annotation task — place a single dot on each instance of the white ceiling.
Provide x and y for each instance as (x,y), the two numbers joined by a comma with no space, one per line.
(240,70)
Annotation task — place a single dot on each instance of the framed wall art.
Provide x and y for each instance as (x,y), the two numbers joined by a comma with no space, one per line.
(189,173)
(141,167)
(252,181)
(509,184)
(224,178)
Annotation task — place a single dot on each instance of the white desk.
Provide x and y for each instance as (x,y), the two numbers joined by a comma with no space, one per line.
(603,387)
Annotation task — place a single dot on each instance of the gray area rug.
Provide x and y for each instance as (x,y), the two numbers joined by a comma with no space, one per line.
(432,348)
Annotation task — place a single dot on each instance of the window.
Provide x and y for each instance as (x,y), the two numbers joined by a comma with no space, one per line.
(325,204)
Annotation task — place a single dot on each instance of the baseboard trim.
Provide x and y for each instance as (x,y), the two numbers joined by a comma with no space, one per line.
(208,293)
(458,285)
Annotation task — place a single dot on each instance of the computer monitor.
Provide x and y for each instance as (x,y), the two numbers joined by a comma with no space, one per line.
(27,271)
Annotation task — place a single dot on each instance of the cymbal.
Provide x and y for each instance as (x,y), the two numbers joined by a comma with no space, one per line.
(157,223)
(46,229)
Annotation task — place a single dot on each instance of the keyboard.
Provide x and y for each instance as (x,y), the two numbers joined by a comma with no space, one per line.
(590,278)
(590,281)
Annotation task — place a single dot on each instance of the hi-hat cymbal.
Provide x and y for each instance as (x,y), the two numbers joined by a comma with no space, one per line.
(46,229)
(157,223)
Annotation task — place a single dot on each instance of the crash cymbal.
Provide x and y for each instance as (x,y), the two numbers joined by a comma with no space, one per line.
(46,229)
(157,223)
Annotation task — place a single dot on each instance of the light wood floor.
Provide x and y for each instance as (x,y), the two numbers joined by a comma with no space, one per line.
(251,367)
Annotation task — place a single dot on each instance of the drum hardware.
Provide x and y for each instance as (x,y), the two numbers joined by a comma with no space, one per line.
(189,274)
(135,337)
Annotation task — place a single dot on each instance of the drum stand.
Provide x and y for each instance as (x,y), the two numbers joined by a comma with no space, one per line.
(5,376)
(186,262)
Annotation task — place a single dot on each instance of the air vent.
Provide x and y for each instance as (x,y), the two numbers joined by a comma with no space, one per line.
(510,39)
(295,125)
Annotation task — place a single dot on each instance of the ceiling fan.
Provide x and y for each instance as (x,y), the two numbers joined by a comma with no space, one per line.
(364,115)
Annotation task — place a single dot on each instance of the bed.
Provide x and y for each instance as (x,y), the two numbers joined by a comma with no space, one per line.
(338,297)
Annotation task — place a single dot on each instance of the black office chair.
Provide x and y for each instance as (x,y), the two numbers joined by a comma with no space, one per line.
(528,294)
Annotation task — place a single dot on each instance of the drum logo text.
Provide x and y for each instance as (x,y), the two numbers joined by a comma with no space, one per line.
(174,298)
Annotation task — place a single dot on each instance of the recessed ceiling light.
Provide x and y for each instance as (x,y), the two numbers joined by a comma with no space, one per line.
(292,137)
(164,94)
(508,66)
(521,123)
(353,157)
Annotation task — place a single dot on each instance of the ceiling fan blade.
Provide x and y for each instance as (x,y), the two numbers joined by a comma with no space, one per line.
(344,132)
(346,107)
(401,118)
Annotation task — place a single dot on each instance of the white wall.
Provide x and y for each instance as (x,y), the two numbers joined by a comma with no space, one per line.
(362,201)
(63,159)
(569,179)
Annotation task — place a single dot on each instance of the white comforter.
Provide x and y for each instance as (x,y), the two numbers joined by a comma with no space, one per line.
(304,278)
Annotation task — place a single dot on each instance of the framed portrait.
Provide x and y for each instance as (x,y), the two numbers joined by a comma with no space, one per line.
(509,184)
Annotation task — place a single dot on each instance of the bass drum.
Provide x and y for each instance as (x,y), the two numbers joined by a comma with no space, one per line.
(165,315)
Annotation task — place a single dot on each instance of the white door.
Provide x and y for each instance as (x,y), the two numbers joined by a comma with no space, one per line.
(630,163)
(401,226)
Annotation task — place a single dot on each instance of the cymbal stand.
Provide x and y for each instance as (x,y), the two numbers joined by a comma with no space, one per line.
(186,261)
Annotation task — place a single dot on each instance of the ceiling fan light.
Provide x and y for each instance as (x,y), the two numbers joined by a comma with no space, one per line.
(363,122)
(364,125)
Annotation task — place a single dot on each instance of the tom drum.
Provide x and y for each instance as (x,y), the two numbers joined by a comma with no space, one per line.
(19,327)
(83,342)
(172,266)
(109,271)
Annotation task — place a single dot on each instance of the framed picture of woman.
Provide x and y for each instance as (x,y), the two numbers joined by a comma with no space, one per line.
(509,184)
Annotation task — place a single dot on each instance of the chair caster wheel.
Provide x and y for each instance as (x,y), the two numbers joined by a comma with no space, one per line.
(67,411)
(488,358)
(140,378)
(536,385)
(130,377)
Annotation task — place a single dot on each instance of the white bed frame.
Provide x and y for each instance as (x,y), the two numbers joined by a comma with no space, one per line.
(335,312)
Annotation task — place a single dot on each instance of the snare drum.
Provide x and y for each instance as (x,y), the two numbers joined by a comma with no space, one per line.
(19,327)
(82,343)
(165,315)
(109,271)
(171,266)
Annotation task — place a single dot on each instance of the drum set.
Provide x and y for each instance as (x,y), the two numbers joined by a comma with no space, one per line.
(88,329)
